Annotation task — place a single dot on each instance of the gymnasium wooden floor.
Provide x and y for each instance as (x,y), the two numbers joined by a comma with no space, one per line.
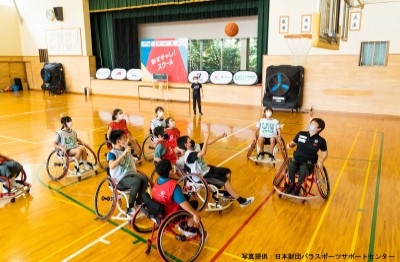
(57,221)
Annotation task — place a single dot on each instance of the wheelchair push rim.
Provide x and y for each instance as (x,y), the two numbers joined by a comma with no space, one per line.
(102,155)
(196,188)
(105,199)
(172,245)
(148,148)
(57,165)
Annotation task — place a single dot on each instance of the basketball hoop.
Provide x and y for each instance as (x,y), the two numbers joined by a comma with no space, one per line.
(300,46)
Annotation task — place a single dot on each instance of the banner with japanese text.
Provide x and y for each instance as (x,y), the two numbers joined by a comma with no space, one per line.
(165,56)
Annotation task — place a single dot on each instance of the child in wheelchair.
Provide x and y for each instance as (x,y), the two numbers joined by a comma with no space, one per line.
(67,142)
(119,123)
(10,169)
(268,131)
(166,192)
(306,155)
(158,120)
(173,135)
(194,161)
(123,170)
(164,148)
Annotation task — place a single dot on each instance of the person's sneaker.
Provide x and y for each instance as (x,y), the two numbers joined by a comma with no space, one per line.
(289,188)
(271,159)
(131,211)
(260,156)
(14,184)
(79,170)
(248,201)
(87,166)
(188,231)
(296,190)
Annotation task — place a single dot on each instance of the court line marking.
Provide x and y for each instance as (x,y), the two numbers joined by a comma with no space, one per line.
(73,242)
(314,236)
(376,202)
(100,239)
(19,140)
(362,200)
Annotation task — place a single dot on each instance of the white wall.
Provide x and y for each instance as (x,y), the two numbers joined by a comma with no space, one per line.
(33,29)
(379,23)
(200,29)
(10,44)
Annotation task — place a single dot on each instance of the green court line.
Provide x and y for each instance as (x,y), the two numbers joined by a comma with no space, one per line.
(84,206)
(376,202)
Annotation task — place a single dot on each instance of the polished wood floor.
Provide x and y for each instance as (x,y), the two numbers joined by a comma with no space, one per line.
(57,221)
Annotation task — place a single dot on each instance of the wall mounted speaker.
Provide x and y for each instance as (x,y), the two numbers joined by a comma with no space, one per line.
(58,13)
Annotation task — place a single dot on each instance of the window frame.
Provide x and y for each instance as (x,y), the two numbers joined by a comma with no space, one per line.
(373,53)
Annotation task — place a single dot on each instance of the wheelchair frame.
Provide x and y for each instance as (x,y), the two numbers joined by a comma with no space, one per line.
(168,231)
(12,194)
(280,147)
(316,176)
(64,162)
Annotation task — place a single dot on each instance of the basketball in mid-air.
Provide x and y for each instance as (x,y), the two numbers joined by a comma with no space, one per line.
(231,29)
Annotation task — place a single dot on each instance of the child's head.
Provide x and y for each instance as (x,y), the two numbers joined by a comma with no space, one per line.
(317,123)
(66,121)
(159,132)
(163,168)
(159,111)
(195,79)
(117,114)
(268,111)
(185,142)
(117,136)
(170,122)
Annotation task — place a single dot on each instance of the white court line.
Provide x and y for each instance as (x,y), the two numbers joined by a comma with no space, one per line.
(20,140)
(233,156)
(100,239)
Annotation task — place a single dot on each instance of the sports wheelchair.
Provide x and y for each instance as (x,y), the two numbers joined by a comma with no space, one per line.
(58,164)
(205,190)
(316,176)
(103,150)
(6,192)
(148,147)
(172,245)
(280,147)
(108,197)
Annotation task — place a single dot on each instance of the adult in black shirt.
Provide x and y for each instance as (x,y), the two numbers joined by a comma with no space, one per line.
(197,88)
(306,154)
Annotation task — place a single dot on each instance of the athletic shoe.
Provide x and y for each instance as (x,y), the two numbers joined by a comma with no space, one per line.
(87,166)
(188,231)
(79,170)
(248,201)
(131,211)
(260,156)
(14,184)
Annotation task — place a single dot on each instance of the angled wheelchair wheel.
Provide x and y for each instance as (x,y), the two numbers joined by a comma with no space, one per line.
(141,222)
(102,155)
(105,199)
(251,148)
(148,148)
(173,245)
(282,148)
(57,165)
(91,156)
(280,175)
(196,188)
(323,182)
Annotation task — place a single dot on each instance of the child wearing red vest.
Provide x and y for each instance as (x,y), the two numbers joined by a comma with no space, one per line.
(164,148)
(167,193)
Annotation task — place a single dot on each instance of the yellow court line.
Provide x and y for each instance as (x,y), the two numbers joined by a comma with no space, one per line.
(224,253)
(355,235)
(331,197)
(73,242)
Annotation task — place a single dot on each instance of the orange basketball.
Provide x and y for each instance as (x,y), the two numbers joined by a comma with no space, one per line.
(231,29)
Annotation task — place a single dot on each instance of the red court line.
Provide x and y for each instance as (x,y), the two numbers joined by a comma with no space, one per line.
(224,247)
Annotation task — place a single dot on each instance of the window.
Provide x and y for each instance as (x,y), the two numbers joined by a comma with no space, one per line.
(374,53)
(221,54)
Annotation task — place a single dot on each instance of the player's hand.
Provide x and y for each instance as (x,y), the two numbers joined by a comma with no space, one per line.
(127,150)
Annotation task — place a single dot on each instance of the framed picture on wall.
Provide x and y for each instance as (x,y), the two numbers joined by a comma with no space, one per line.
(306,23)
(284,24)
(355,21)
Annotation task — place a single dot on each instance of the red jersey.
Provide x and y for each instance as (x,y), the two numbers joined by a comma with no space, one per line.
(121,125)
(173,134)
(163,194)
(169,151)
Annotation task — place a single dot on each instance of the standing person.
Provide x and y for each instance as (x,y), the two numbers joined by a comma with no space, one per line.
(67,141)
(123,170)
(119,123)
(306,155)
(268,130)
(196,89)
